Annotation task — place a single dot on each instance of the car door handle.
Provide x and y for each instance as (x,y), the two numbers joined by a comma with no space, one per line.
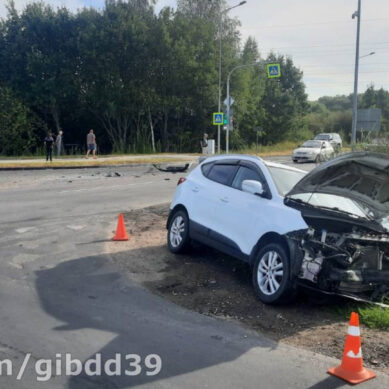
(195,189)
(225,199)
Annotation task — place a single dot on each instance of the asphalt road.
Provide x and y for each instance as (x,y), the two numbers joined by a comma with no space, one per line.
(59,293)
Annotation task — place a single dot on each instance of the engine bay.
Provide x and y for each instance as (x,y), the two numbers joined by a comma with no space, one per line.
(351,261)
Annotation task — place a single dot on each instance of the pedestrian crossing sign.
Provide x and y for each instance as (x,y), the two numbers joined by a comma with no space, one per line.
(218,118)
(273,70)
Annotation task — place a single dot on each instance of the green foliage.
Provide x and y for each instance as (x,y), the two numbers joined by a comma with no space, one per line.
(336,103)
(334,114)
(374,98)
(17,126)
(284,102)
(146,82)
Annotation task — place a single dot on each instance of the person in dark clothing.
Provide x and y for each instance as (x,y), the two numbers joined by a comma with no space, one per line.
(49,143)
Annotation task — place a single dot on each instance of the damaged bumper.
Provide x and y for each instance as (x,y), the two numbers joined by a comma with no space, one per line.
(347,264)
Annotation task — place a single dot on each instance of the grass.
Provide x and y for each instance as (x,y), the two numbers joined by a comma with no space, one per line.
(370,315)
(280,149)
(283,148)
(90,162)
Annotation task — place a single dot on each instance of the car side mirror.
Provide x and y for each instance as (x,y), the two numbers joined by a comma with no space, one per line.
(253,187)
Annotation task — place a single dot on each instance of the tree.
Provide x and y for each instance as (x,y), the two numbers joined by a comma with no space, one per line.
(204,9)
(284,102)
(18,126)
(41,63)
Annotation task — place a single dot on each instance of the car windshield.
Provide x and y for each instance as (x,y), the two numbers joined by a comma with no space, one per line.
(285,179)
(341,204)
(323,137)
(312,144)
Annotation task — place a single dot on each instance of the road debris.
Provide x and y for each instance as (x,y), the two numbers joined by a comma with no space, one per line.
(173,168)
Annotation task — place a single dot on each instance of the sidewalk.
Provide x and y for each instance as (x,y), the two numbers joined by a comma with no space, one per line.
(41,163)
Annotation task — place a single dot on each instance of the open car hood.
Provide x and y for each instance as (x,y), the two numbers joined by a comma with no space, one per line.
(363,177)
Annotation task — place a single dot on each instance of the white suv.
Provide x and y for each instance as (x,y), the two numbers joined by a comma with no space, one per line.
(327,230)
(235,204)
(333,138)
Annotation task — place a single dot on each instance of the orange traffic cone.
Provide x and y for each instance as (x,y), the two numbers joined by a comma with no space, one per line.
(121,233)
(351,369)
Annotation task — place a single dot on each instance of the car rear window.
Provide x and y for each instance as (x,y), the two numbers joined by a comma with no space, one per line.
(222,174)
(206,168)
(322,137)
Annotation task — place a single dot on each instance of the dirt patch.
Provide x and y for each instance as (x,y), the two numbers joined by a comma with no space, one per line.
(217,285)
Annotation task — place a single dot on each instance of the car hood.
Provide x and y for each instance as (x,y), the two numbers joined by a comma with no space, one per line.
(363,177)
(307,150)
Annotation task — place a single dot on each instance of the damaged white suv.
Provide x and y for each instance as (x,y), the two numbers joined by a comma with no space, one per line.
(327,230)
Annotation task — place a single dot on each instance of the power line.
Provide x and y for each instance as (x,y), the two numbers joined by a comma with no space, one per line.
(332,53)
(343,64)
(321,45)
(322,84)
(368,72)
(315,24)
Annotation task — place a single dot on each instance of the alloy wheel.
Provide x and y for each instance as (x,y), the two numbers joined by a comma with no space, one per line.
(270,273)
(176,231)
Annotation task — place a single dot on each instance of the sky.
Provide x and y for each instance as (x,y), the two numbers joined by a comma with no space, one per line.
(319,35)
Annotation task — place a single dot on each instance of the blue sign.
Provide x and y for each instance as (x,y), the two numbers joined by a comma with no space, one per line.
(218,118)
(273,70)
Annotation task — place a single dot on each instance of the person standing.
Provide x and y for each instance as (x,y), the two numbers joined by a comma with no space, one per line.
(91,144)
(49,143)
(58,143)
(204,144)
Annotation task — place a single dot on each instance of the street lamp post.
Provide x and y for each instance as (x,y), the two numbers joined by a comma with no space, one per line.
(220,66)
(229,102)
(356,14)
(367,55)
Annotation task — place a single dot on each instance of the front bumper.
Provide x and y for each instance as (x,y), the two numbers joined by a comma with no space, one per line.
(303,158)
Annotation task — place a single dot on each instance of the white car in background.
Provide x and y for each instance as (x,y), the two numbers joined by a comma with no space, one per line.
(327,230)
(333,138)
(313,151)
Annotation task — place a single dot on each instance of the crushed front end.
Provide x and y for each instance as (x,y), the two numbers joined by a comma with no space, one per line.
(345,204)
(354,263)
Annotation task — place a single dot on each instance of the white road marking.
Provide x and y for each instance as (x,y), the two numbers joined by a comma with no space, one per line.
(76,228)
(24,229)
(106,187)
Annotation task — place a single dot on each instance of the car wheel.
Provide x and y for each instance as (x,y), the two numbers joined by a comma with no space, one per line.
(295,161)
(178,232)
(271,278)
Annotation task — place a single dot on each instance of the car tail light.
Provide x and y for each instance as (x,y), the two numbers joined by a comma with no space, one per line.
(181,180)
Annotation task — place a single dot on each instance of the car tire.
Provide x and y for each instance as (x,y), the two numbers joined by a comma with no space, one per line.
(271,275)
(295,161)
(178,232)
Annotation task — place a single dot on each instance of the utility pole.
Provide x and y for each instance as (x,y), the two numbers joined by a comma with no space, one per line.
(220,80)
(356,14)
(220,66)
